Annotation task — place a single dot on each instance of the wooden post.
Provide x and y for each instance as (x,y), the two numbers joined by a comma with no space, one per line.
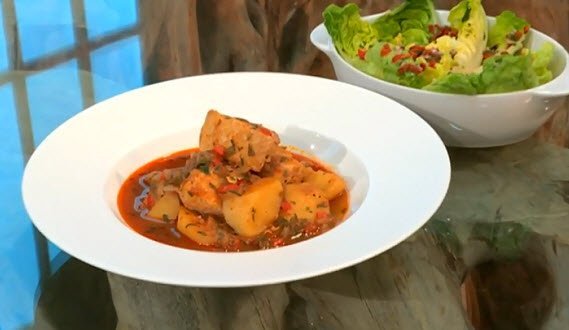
(169,39)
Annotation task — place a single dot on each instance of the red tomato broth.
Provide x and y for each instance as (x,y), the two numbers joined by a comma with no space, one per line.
(166,232)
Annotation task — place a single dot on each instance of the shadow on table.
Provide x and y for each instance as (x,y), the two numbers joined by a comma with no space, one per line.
(76,297)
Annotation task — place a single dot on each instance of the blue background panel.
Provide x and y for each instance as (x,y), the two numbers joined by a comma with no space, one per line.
(104,16)
(44,27)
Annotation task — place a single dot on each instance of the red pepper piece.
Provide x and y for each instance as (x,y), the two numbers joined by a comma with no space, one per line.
(453,33)
(278,242)
(321,215)
(228,187)
(385,50)
(219,150)
(447,30)
(400,57)
(216,161)
(362,53)
(149,201)
(416,51)
(285,206)
(408,67)
(432,28)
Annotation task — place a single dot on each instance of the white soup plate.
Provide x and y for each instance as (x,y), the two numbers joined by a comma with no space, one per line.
(396,167)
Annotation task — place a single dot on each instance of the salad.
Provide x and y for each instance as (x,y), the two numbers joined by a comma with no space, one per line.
(409,46)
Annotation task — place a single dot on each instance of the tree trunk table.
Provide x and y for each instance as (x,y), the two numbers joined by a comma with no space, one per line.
(494,256)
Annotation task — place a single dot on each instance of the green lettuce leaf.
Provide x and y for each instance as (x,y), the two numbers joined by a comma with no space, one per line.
(540,63)
(455,83)
(507,73)
(415,36)
(415,15)
(347,30)
(459,14)
(506,23)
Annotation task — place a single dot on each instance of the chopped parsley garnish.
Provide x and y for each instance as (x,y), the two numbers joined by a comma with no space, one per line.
(204,168)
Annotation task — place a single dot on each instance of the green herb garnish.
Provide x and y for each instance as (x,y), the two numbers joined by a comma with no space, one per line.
(204,168)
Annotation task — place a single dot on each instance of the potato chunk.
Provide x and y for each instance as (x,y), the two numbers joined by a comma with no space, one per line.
(251,213)
(245,145)
(167,206)
(198,192)
(331,184)
(200,229)
(304,201)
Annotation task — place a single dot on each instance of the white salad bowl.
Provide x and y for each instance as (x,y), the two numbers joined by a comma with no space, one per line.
(468,120)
